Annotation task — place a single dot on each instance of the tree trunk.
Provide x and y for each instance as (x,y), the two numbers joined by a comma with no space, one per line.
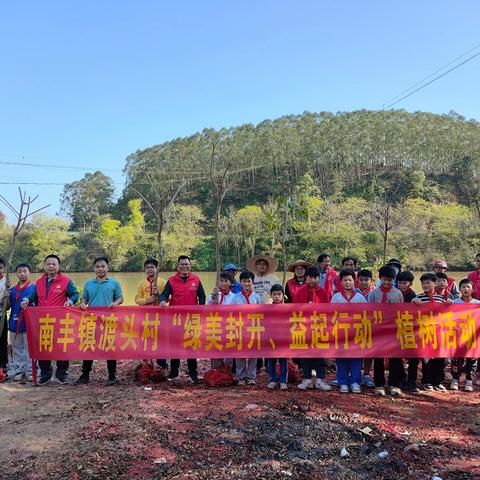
(160,251)
(218,260)
(386,228)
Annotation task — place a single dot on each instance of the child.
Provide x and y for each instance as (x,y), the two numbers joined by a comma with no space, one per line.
(464,365)
(365,286)
(312,292)
(278,297)
(387,293)
(349,370)
(365,282)
(22,363)
(441,287)
(404,282)
(440,266)
(246,368)
(433,368)
(222,295)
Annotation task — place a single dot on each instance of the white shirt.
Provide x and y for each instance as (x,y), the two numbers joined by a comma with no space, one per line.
(222,298)
(356,298)
(263,284)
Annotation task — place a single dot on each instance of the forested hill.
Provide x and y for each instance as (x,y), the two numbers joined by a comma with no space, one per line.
(365,183)
(346,154)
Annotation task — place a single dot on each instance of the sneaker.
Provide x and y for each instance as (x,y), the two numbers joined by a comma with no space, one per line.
(395,391)
(173,376)
(453,384)
(334,383)
(61,380)
(29,377)
(82,380)
(478,382)
(194,379)
(242,383)
(251,381)
(17,377)
(44,381)
(428,387)
(368,382)
(272,385)
(112,380)
(283,386)
(439,388)
(355,387)
(306,383)
(321,384)
(380,391)
(344,389)
(468,386)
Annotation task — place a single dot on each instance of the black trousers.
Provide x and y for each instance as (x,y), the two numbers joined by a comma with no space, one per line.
(412,371)
(433,371)
(175,366)
(4,345)
(46,370)
(111,367)
(396,372)
(464,365)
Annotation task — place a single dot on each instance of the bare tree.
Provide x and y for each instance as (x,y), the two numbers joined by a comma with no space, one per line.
(23,213)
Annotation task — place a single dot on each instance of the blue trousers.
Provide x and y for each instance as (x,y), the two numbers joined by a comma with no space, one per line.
(349,370)
(272,364)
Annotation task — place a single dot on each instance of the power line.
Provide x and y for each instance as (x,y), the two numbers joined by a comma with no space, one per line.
(431,75)
(431,81)
(61,167)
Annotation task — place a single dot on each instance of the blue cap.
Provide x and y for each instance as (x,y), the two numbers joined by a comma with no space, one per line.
(230,266)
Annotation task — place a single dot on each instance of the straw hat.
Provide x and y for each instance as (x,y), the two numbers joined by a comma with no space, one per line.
(298,263)
(272,263)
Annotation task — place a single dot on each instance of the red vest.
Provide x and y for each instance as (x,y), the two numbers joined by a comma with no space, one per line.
(450,283)
(329,281)
(475,278)
(184,292)
(293,287)
(57,293)
(306,294)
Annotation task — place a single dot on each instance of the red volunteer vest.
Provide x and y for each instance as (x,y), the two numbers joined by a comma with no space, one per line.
(329,281)
(57,293)
(475,278)
(293,287)
(305,294)
(450,283)
(184,292)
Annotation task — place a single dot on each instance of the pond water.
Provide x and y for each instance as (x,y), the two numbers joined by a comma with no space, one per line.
(130,280)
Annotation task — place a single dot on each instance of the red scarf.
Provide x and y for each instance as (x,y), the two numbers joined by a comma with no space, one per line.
(430,296)
(407,292)
(344,295)
(1,276)
(444,295)
(223,295)
(21,289)
(247,296)
(366,291)
(385,293)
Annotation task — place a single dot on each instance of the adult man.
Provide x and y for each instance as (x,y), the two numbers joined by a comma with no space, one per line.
(183,288)
(232,269)
(148,293)
(327,274)
(263,267)
(475,278)
(52,289)
(101,291)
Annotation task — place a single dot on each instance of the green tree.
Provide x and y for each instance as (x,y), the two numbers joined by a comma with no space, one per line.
(85,200)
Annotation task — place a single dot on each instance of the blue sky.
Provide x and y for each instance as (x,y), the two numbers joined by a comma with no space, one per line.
(86,83)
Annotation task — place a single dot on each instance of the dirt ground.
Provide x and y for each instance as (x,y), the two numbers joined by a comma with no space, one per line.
(181,431)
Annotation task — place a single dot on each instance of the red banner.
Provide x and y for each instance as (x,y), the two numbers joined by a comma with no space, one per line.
(249,331)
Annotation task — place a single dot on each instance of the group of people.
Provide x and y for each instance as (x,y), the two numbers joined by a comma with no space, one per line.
(257,284)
